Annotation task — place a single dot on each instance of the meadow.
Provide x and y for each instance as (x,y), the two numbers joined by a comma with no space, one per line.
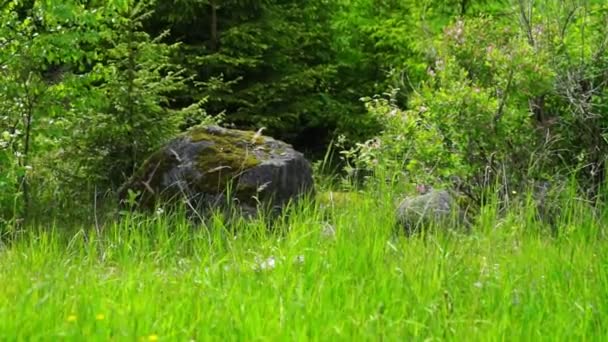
(326,270)
(96,96)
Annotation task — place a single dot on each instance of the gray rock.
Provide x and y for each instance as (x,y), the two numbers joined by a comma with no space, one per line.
(211,167)
(430,207)
(545,196)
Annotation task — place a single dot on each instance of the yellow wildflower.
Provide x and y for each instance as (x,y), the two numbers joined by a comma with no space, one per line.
(100,317)
(153,337)
(72,318)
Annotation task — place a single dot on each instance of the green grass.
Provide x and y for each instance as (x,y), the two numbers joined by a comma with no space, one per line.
(156,277)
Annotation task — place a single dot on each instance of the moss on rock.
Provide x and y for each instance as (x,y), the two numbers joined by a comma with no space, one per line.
(233,136)
(229,154)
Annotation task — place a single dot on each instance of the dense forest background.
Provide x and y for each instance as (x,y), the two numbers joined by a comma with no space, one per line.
(466,92)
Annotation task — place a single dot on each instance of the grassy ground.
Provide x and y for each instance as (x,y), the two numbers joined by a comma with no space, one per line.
(332,271)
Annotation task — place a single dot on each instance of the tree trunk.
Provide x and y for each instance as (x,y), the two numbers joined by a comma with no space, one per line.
(130,92)
(463,7)
(214,37)
(26,152)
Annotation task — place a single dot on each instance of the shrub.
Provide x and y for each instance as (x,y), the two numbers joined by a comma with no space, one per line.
(469,121)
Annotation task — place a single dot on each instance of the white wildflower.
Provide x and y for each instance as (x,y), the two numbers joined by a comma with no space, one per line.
(267,264)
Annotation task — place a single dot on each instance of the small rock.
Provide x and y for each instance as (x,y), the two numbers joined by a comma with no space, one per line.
(430,207)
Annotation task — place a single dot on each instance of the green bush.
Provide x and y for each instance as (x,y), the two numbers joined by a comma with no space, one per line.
(469,120)
(506,101)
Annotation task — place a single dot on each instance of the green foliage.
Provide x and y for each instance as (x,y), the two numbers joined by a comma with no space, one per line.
(37,41)
(474,91)
(576,111)
(128,97)
(268,64)
(469,120)
(504,101)
(85,98)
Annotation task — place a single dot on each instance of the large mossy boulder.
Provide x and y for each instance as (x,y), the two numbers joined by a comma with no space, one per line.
(213,167)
